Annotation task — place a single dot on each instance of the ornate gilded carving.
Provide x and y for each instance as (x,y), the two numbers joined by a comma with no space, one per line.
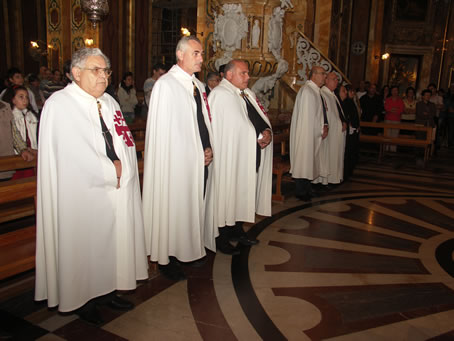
(309,56)
(54,15)
(229,29)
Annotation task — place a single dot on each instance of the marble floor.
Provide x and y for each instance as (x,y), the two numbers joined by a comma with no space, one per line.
(369,260)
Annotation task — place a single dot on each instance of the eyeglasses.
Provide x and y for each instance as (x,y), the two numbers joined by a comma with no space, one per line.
(98,71)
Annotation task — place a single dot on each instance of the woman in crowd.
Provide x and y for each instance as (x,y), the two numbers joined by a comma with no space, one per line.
(24,127)
(394,107)
(346,97)
(409,114)
(127,97)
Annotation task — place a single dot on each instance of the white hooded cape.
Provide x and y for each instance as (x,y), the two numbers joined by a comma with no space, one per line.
(90,237)
(175,209)
(240,190)
(332,152)
(306,130)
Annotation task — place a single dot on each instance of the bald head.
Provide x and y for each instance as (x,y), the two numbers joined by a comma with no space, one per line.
(331,81)
(237,73)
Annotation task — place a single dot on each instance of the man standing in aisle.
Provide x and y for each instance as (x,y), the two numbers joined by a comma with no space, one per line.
(177,175)
(333,149)
(308,129)
(89,226)
(158,70)
(244,156)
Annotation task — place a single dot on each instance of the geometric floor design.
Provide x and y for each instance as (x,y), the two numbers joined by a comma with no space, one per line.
(370,260)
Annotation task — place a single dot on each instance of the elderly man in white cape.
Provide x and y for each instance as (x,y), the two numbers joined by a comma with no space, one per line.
(333,149)
(177,188)
(308,130)
(243,161)
(90,236)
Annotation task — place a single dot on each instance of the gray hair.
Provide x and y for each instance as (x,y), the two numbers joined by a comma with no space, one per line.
(232,64)
(183,43)
(79,58)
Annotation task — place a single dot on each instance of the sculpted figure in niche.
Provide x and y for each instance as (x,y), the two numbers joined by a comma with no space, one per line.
(286,4)
(275,32)
(255,34)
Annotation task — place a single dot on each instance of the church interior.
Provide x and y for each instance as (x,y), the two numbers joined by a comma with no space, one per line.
(370,259)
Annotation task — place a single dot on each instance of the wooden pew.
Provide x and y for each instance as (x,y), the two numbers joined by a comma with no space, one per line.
(402,140)
(17,199)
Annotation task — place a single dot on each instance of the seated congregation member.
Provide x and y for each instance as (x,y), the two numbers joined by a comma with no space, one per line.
(24,127)
(15,77)
(127,96)
(34,86)
(244,156)
(213,79)
(6,137)
(90,237)
(346,94)
(177,188)
(55,84)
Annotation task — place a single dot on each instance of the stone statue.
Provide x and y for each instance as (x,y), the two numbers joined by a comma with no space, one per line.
(275,32)
(255,34)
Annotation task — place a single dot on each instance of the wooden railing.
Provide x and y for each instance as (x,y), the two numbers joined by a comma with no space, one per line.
(382,137)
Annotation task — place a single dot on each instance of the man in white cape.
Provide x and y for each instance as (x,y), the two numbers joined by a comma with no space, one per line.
(332,152)
(177,188)
(243,162)
(308,129)
(90,236)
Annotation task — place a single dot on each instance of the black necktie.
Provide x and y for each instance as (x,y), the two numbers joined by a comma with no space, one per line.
(110,150)
(203,131)
(341,114)
(259,124)
(325,119)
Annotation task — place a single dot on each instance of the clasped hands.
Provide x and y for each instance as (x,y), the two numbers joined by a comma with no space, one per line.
(266,138)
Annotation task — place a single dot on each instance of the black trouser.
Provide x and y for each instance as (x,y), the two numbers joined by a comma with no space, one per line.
(303,187)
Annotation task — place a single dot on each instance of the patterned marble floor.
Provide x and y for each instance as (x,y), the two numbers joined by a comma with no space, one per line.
(370,260)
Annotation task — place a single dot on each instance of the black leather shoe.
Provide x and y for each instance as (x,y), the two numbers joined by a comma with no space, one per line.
(119,303)
(91,315)
(174,273)
(305,197)
(227,248)
(197,263)
(246,241)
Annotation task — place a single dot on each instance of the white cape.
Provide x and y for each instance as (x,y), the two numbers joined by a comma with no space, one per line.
(332,153)
(306,130)
(175,210)
(90,237)
(240,190)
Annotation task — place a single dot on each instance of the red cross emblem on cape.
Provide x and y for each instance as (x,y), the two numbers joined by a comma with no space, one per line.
(122,129)
(261,106)
(205,99)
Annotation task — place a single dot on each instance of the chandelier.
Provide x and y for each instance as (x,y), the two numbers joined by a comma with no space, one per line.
(96,10)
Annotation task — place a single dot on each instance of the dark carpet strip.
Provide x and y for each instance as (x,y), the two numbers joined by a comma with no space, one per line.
(205,308)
